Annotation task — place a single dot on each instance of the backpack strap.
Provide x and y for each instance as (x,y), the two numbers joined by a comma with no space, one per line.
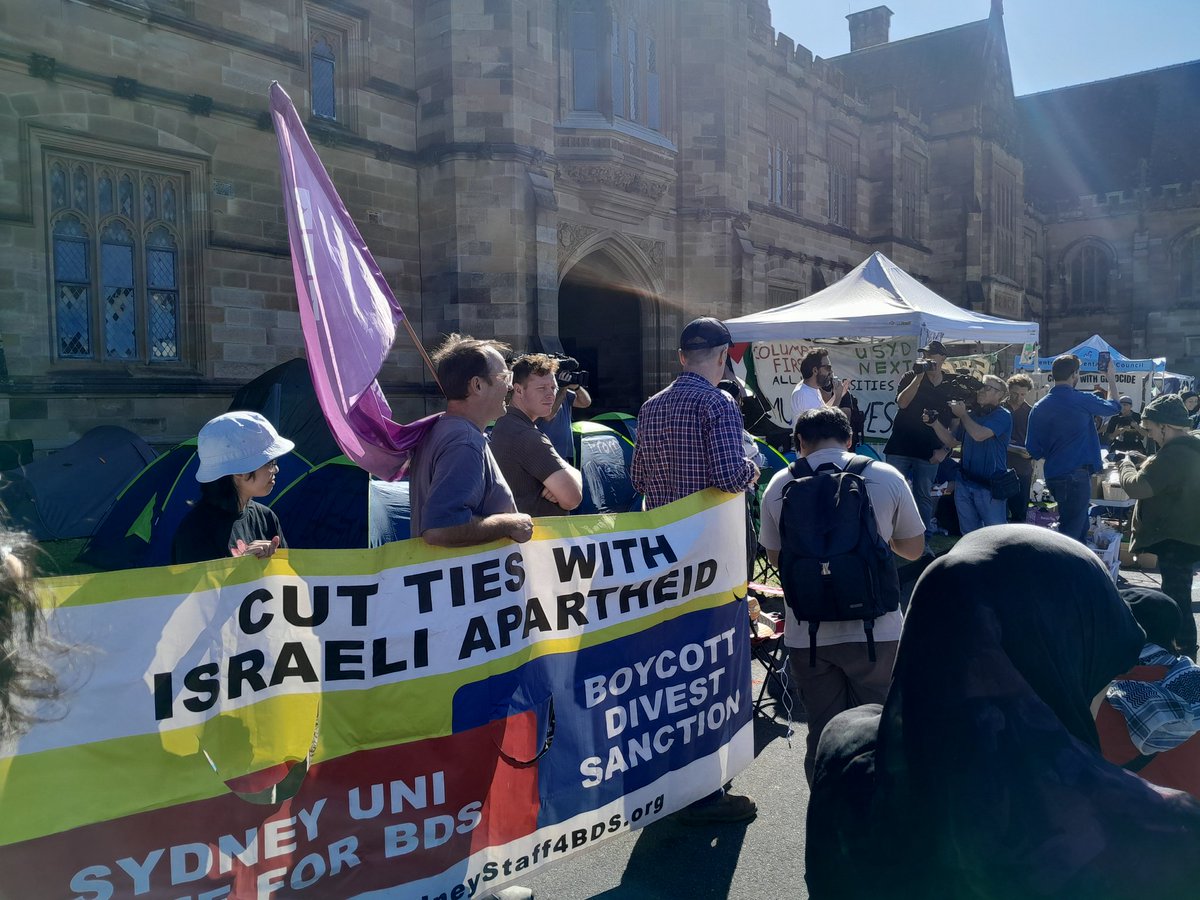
(858,464)
(800,468)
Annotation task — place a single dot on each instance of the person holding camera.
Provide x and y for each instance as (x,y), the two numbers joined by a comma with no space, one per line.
(1062,433)
(913,448)
(984,437)
(1166,518)
(572,394)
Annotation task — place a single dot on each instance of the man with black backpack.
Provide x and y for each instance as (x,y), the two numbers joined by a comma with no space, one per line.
(831,522)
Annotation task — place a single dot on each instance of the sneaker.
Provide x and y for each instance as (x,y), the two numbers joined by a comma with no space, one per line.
(729,810)
(510,893)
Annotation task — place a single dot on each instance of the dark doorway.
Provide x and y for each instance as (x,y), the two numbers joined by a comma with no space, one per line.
(602,328)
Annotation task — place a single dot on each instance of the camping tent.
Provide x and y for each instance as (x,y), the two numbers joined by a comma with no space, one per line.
(878,300)
(139,526)
(286,397)
(605,458)
(65,495)
(1135,377)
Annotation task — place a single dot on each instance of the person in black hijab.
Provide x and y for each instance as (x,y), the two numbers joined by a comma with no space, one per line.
(981,778)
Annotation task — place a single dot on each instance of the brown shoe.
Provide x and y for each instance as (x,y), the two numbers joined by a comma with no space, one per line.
(729,810)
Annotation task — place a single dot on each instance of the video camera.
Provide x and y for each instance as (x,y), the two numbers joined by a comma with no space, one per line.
(921,366)
(569,372)
(960,386)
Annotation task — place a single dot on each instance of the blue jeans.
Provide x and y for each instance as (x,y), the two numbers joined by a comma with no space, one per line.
(977,507)
(920,473)
(1073,492)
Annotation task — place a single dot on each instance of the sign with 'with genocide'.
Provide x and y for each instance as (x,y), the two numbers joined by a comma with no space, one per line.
(429,723)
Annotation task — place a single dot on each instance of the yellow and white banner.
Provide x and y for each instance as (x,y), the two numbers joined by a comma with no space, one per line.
(409,721)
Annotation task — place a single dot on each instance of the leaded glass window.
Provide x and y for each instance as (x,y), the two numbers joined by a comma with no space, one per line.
(116,285)
(634,35)
(104,195)
(324,80)
(1090,269)
(117,260)
(842,176)
(163,289)
(72,285)
(783,158)
(585,83)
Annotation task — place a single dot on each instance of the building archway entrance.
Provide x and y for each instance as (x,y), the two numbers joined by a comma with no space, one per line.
(603,324)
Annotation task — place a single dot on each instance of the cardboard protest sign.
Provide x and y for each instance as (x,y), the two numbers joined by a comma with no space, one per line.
(420,721)
(873,367)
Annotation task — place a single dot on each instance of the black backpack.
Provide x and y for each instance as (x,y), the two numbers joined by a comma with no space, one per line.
(833,564)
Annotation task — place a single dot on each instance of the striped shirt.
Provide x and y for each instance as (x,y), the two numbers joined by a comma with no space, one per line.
(689,437)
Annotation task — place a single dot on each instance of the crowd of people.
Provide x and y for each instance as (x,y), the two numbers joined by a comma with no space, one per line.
(952,749)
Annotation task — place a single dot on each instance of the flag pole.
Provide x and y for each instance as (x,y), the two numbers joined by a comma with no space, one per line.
(425,356)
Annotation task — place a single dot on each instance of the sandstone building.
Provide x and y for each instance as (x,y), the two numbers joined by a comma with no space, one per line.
(584,174)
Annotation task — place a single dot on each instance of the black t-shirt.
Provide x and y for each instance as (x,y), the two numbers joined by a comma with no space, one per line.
(1122,433)
(910,435)
(209,532)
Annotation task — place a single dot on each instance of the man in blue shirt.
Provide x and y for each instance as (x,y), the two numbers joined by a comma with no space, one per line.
(1062,432)
(984,438)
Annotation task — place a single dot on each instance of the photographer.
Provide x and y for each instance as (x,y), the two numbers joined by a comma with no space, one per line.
(913,448)
(1166,519)
(572,394)
(984,438)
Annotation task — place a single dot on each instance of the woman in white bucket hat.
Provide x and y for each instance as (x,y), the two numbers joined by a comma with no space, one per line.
(237,464)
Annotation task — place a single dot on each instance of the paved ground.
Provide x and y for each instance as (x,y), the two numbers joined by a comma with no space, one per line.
(765,858)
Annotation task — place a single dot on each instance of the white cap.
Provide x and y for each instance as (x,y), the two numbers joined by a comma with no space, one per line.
(237,443)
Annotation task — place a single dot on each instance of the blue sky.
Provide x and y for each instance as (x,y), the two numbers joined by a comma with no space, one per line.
(1052,43)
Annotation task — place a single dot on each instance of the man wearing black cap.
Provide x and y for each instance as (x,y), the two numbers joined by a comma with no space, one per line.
(689,437)
(1166,518)
(913,448)
(1121,431)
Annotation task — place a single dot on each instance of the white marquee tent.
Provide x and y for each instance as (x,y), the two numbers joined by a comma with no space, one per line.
(878,300)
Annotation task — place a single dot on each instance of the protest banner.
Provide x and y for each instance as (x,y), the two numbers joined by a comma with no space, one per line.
(874,368)
(410,721)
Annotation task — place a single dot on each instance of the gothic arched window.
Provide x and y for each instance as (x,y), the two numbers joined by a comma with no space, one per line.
(116,255)
(1089,274)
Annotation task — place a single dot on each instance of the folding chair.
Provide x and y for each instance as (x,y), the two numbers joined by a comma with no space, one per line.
(768,648)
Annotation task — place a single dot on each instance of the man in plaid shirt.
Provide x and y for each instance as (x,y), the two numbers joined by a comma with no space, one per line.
(689,437)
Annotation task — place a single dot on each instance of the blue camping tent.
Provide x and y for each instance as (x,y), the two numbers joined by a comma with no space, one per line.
(605,457)
(138,528)
(66,494)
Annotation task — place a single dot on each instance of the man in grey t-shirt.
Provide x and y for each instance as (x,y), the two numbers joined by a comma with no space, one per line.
(459,496)
(542,482)
(844,675)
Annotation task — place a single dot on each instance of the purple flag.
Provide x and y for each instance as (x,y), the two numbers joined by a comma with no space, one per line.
(348,312)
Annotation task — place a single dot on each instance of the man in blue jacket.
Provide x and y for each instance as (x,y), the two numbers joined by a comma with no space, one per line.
(1062,432)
